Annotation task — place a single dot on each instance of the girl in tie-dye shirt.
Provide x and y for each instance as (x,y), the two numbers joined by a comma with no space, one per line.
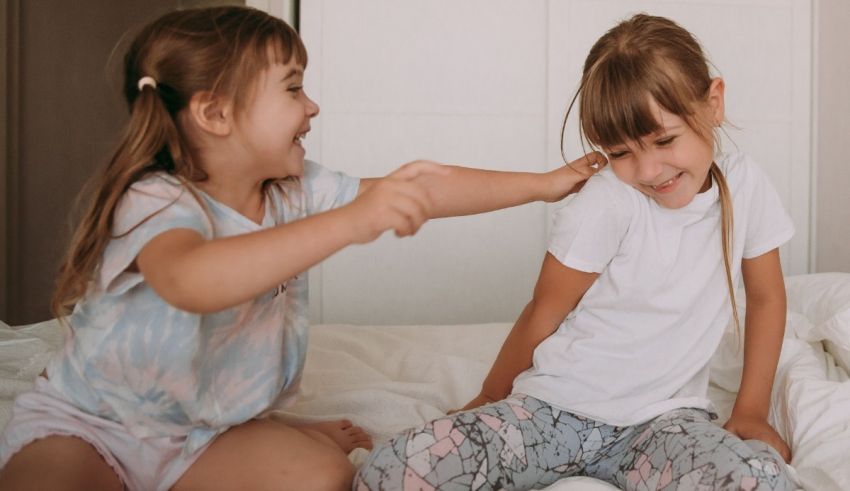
(186,277)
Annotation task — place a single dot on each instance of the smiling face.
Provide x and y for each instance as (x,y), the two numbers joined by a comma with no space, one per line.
(670,165)
(276,119)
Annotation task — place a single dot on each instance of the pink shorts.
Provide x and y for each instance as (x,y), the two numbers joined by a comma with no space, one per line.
(140,463)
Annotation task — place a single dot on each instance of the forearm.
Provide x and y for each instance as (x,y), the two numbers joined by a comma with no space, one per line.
(222,273)
(516,354)
(765,327)
(467,191)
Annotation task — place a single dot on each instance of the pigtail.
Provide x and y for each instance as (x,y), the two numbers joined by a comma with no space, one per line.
(150,142)
(726,227)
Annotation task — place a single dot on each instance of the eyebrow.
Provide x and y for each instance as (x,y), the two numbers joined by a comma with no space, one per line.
(292,72)
(663,131)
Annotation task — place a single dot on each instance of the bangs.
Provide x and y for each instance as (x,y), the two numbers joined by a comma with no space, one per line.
(617,101)
(270,41)
(265,41)
(281,46)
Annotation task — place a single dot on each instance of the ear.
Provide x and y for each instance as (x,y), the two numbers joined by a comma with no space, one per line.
(716,100)
(211,113)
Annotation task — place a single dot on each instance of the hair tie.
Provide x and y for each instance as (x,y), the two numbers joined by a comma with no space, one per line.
(145,81)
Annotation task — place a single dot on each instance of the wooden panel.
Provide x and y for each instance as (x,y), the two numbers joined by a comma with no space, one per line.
(9,23)
(70,115)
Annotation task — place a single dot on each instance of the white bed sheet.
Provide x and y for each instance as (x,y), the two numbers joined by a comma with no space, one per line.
(389,378)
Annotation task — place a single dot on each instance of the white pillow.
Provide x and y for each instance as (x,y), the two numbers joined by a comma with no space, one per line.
(824,299)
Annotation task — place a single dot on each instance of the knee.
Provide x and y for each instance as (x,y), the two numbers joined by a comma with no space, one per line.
(379,470)
(367,479)
(762,471)
(333,474)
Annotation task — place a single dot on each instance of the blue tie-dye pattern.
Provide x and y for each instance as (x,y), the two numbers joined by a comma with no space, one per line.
(135,359)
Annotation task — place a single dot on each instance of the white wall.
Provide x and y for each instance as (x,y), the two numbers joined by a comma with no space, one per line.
(832,107)
(485,83)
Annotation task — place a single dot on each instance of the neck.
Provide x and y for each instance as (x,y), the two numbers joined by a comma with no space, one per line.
(707,184)
(228,183)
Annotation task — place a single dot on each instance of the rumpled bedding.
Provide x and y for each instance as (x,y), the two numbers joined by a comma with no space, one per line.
(389,378)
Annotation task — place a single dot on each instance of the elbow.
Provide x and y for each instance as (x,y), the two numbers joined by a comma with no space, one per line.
(192,306)
(543,319)
(768,301)
(179,292)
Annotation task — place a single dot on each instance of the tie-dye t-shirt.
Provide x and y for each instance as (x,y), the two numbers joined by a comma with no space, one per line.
(161,371)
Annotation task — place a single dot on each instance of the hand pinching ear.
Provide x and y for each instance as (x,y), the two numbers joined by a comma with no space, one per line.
(571,177)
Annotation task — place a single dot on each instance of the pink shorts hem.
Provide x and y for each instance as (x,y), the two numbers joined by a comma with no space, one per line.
(140,463)
(10,451)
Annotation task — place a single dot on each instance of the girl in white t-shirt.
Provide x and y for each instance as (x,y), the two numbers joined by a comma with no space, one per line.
(187,273)
(605,372)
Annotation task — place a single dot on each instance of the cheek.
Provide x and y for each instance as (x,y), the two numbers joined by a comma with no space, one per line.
(623,170)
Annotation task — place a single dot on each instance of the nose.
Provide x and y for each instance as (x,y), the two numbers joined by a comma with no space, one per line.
(649,167)
(312,107)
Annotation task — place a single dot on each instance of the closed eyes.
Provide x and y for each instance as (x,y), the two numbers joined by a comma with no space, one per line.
(663,142)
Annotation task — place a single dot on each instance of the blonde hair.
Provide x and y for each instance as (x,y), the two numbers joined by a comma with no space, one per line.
(220,50)
(641,59)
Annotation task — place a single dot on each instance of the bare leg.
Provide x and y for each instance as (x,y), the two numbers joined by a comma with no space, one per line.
(341,433)
(266,454)
(58,462)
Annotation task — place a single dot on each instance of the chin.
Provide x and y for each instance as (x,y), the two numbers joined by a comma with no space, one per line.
(293,168)
(675,204)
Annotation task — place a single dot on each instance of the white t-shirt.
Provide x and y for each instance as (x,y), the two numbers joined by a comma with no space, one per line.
(638,343)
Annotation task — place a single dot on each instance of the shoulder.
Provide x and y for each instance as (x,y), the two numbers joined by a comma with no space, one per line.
(604,192)
(605,185)
(155,194)
(748,181)
(315,172)
(604,203)
(313,169)
(325,189)
(158,182)
(154,189)
(588,230)
(740,169)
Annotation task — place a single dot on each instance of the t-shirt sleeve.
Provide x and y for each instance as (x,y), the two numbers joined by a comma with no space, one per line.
(587,232)
(768,224)
(148,208)
(326,189)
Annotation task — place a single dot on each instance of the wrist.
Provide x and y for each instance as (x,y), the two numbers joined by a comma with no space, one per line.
(548,186)
(749,411)
(347,220)
(493,394)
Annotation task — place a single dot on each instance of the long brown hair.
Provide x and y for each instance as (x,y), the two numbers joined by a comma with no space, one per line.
(650,57)
(220,50)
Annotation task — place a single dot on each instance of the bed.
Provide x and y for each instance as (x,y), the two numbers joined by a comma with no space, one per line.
(388,378)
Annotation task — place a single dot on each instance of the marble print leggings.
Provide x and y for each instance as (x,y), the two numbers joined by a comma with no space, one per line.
(523,443)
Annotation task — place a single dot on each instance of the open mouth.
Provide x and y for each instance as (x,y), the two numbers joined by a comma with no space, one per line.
(667,185)
(299,137)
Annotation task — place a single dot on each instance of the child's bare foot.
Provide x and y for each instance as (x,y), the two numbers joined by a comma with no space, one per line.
(343,433)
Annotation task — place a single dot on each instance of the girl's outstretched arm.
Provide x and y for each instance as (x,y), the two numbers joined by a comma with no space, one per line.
(558,290)
(467,191)
(764,331)
(203,276)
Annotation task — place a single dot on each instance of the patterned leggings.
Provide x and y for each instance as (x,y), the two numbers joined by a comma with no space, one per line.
(524,443)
